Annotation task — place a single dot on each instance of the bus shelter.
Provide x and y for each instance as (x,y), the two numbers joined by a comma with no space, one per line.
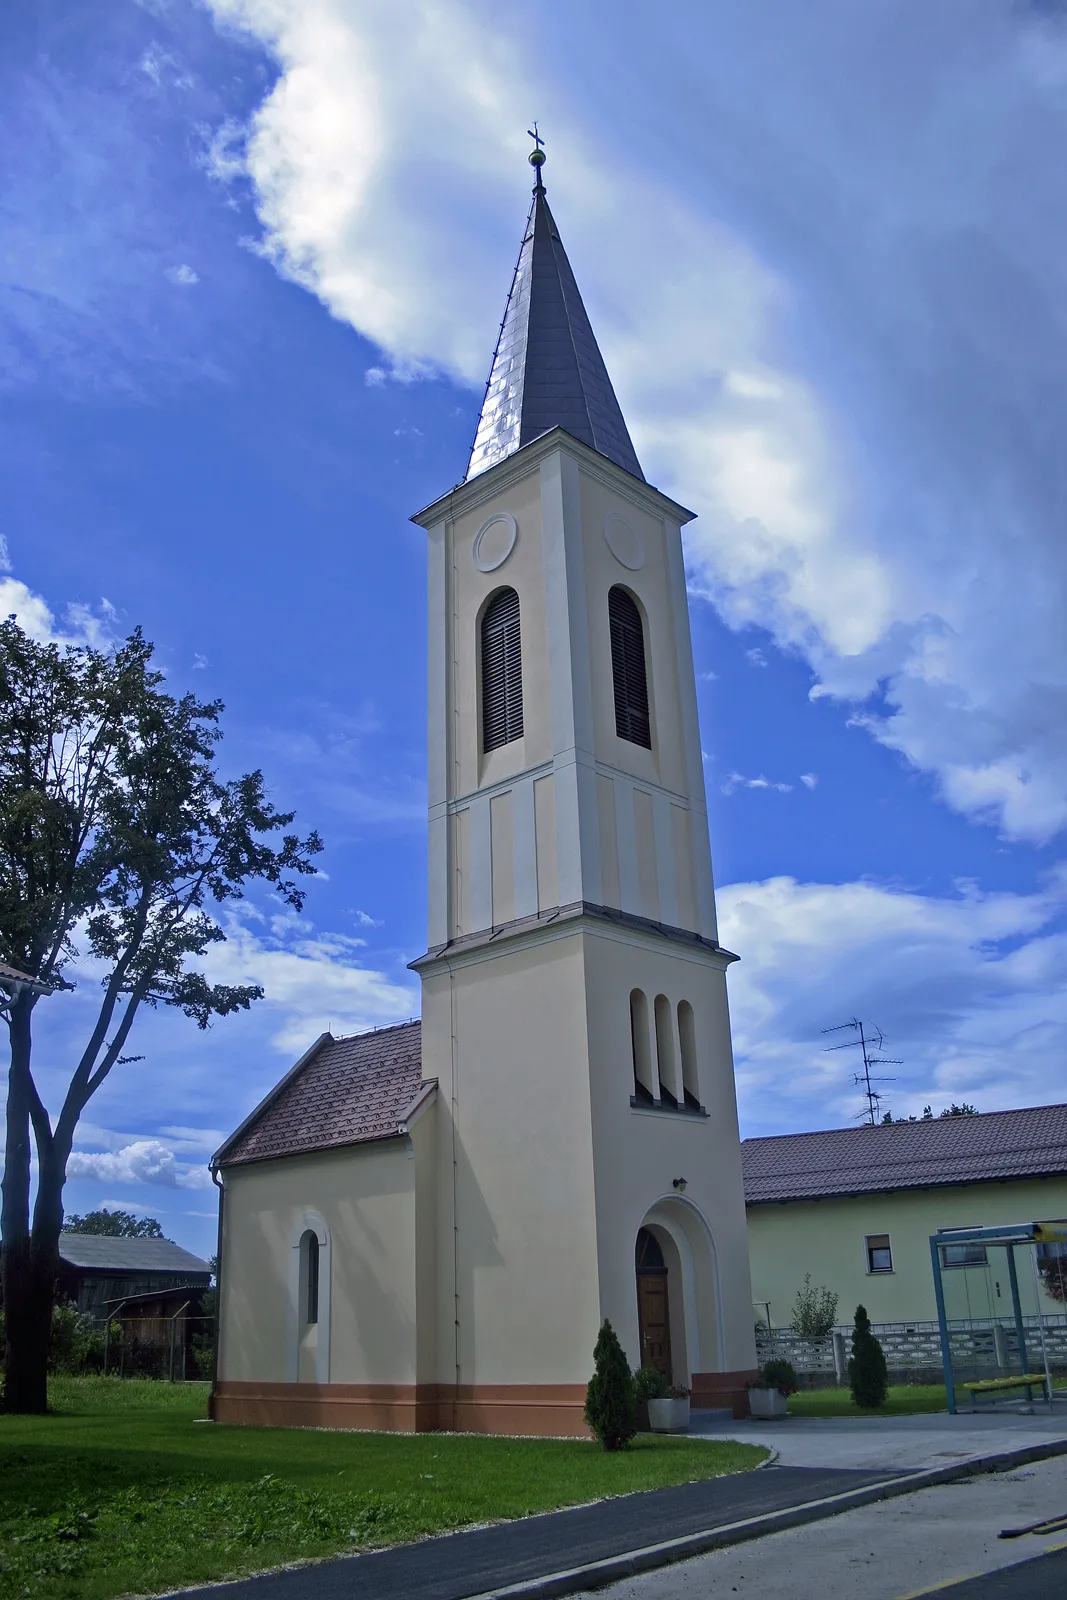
(998,1292)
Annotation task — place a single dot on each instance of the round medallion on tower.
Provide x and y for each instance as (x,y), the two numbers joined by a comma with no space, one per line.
(494,541)
(624,542)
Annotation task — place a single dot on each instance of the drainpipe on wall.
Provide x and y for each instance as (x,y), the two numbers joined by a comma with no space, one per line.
(218,1298)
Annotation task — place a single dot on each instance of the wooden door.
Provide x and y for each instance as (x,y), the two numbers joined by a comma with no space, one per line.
(653,1321)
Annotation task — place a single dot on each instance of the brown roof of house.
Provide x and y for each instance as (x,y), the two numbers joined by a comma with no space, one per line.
(342,1092)
(906,1155)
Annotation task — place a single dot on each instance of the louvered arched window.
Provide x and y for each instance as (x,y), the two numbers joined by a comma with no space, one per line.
(628,668)
(501,671)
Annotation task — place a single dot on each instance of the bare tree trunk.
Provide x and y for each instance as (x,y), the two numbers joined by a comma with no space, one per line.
(27,1263)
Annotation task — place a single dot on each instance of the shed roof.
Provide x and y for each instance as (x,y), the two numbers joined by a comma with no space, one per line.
(341,1092)
(987,1147)
(106,1254)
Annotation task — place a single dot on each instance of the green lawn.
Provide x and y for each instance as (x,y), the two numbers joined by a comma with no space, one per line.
(904,1400)
(123,1489)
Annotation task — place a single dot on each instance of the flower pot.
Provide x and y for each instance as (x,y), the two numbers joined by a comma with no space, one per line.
(668,1416)
(766,1403)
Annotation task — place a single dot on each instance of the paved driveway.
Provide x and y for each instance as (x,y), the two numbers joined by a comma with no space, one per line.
(895,1444)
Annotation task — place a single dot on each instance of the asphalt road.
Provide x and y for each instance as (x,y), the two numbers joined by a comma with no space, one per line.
(940,1541)
(1043,1577)
(463,1564)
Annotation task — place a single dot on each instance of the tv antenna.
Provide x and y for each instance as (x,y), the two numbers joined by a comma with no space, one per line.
(868,1044)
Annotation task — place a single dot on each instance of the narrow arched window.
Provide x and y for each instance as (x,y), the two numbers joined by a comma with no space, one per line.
(501,671)
(666,1064)
(310,1274)
(628,668)
(687,1039)
(639,1045)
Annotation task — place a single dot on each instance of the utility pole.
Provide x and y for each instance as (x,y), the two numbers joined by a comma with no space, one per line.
(865,1079)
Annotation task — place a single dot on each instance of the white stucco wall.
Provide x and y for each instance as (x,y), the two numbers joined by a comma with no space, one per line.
(366,1196)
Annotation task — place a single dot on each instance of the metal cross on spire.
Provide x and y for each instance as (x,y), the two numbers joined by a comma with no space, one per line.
(537,154)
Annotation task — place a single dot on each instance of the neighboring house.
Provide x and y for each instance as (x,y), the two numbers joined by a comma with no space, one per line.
(100,1273)
(856,1207)
(426,1226)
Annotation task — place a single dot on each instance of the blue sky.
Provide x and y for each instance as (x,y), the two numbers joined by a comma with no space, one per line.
(254,257)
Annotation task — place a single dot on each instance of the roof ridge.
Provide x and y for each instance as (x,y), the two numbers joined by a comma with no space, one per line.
(904,1122)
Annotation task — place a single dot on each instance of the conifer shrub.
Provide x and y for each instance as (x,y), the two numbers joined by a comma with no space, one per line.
(609,1399)
(867,1373)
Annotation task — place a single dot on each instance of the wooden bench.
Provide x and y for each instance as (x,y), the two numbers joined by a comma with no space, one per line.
(993,1386)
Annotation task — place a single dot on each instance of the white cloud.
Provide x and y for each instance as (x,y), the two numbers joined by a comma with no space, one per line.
(182,275)
(142,1161)
(82,624)
(948,593)
(311,983)
(736,780)
(970,990)
(756,658)
(809,779)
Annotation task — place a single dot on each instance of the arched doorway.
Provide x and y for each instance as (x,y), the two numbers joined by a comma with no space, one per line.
(653,1304)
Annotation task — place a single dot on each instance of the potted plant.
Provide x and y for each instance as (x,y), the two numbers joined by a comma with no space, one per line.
(767,1394)
(667,1404)
(649,1384)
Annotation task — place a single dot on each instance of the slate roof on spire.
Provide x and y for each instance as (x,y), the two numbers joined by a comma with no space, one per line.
(547,371)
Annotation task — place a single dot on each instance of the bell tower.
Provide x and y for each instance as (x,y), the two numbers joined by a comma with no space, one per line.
(574,991)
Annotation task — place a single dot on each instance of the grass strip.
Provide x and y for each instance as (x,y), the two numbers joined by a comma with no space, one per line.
(903,1400)
(123,1489)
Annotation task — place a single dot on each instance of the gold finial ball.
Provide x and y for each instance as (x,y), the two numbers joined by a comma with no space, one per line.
(537,158)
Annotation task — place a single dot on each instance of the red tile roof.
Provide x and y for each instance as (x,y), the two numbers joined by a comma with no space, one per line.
(342,1092)
(906,1155)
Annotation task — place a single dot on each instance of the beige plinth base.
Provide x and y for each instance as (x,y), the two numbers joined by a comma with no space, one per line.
(547,1410)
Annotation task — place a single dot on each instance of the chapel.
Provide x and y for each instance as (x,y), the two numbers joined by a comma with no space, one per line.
(423,1227)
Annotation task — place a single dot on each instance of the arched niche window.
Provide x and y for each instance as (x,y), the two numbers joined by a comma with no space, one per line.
(628,668)
(687,1039)
(308,1332)
(501,671)
(666,1063)
(639,1045)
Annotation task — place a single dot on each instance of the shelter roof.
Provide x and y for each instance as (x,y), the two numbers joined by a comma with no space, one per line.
(106,1254)
(547,369)
(988,1147)
(341,1092)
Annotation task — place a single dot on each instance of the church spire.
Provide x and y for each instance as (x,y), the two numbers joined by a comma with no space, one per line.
(547,369)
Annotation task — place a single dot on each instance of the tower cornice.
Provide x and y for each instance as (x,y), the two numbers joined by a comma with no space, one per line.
(466,497)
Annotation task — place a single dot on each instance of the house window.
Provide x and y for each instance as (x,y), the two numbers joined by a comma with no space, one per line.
(628,668)
(639,1045)
(687,1039)
(879,1252)
(501,671)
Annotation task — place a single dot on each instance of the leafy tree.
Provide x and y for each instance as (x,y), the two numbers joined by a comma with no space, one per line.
(115,832)
(609,1399)
(953,1110)
(113,1225)
(867,1371)
(814,1310)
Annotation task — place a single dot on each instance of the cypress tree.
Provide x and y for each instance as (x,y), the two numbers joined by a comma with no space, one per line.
(867,1369)
(609,1399)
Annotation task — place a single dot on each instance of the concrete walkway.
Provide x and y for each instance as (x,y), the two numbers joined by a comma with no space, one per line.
(891,1444)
